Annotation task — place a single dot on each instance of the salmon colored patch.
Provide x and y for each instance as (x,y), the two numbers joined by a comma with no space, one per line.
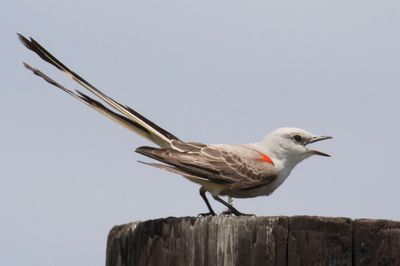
(266,158)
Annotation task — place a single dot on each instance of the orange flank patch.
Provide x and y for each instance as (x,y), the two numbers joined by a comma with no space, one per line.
(266,158)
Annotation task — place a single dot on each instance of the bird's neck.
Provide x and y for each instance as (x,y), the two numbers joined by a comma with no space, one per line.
(284,161)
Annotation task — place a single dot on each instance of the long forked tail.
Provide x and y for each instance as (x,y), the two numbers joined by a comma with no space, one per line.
(124,115)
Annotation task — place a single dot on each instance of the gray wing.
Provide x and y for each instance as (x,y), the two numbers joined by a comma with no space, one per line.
(214,164)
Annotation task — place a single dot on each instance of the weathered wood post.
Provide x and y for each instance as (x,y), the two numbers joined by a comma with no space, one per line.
(222,240)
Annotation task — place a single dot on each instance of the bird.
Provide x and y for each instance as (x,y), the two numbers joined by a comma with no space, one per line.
(233,170)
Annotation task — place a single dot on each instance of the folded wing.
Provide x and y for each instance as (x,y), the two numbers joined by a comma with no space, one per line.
(213,164)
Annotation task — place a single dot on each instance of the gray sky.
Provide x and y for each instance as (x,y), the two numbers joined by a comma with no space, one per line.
(209,71)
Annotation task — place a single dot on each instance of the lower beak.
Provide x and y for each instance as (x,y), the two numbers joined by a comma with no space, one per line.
(316,139)
(315,152)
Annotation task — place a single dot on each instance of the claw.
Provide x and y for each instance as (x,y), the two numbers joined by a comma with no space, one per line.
(244,214)
(227,212)
(206,214)
(236,213)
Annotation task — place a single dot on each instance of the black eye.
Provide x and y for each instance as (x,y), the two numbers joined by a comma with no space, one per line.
(298,138)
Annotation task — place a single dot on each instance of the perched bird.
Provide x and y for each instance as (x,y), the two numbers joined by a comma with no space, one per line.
(233,170)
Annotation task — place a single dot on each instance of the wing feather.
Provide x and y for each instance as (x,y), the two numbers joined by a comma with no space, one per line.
(214,163)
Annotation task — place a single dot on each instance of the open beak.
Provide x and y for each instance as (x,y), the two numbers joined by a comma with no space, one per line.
(316,139)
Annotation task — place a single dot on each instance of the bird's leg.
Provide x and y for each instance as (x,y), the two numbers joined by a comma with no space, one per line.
(230,200)
(211,211)
(227,210)
(230,207)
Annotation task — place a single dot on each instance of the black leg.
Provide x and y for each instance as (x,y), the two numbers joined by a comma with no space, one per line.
(230,207)
(203,195)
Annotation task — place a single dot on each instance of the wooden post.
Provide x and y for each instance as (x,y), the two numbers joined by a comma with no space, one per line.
(223,240)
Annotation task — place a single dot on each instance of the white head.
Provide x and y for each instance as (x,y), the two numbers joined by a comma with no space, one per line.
(289,144)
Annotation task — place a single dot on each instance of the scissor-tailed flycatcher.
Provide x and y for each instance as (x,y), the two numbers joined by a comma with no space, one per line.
(233,170)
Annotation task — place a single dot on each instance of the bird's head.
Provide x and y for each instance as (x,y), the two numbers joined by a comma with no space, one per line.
(290,144)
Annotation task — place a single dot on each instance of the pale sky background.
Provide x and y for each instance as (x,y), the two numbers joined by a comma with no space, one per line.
(209,71)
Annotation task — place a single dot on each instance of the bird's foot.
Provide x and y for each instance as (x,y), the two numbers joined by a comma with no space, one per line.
(244,214)
(227,213)
(206,214)
(235,212)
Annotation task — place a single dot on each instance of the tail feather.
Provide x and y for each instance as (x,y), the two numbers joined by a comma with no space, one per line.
(152,131)
(122,120)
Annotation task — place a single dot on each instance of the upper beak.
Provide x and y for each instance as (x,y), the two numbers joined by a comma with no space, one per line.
(315,139)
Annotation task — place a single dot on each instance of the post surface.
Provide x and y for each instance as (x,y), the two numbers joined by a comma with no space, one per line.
(223,240)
